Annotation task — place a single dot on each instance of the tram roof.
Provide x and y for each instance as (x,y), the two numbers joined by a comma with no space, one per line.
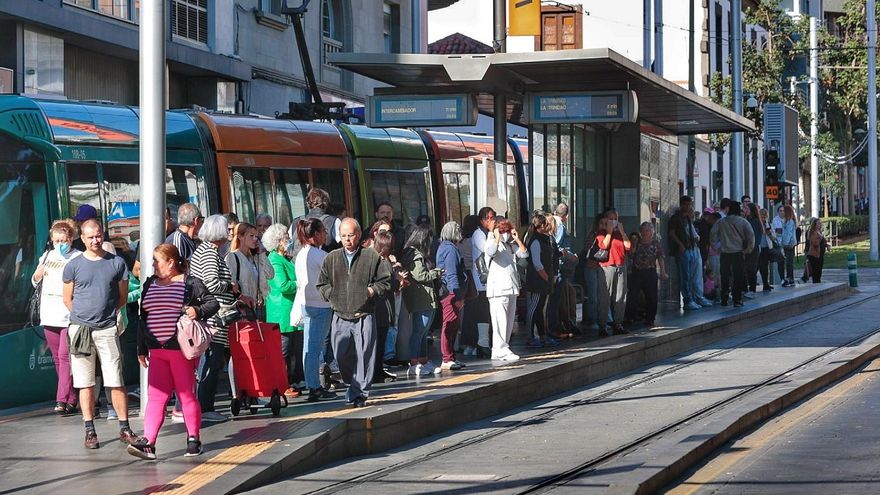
(661,103)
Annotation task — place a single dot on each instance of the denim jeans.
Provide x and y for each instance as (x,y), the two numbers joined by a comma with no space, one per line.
(591,307)
(786,270)
(421,323)
(316,328)
(690,275)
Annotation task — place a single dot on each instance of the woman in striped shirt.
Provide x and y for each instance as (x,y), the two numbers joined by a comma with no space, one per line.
(166,297)
(207,265)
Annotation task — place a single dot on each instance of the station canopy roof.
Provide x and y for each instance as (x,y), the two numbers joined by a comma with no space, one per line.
(661,103)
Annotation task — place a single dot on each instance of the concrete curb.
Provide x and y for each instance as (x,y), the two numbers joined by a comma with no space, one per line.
(438,411)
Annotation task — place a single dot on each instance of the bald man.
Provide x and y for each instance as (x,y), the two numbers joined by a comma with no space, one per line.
(351,280)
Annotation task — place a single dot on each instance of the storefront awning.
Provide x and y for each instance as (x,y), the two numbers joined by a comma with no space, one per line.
(661,103)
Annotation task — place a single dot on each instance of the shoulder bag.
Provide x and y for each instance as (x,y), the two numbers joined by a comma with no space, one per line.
(596,253)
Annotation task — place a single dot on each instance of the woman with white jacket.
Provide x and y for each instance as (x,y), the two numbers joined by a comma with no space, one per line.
(502,285)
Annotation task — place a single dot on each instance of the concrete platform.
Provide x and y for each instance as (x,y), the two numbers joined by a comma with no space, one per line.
(44,453)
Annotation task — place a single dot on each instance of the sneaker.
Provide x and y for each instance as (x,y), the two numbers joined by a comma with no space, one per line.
(359,402)
(460,363)
(214,417)
(142,450)
(292,393)
(509,357)
(692,305)
(551,342)
(128,436)
(435,369)
(91,441)
(534,343)
(768,288)
(424,369)
(193,447)
(111,415)
(411,370)
(749,295)
(705,303)
(317,394)
(737,304)
(450,365)
(177,416)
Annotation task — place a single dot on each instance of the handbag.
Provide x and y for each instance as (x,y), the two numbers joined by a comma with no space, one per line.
(193,336)
(33,308)
(596,253)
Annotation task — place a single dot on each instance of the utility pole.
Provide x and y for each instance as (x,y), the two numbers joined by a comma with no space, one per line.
(500,45)
(152,143)
(692,154)
(646,36)
(658,37)
(814,117)
(872,131)
(736,143)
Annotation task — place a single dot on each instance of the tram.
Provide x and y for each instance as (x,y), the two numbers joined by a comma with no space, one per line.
(56,155)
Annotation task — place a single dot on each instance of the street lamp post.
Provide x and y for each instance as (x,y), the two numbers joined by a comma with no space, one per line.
(872,130)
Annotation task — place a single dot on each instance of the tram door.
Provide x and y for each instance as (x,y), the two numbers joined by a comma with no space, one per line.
(495,186)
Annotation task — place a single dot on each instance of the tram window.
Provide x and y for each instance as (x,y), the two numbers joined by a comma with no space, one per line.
(24,228)
(185,185)
(408,192)
(513,206)
(251,193)
(333,182)
(82,184)
(496,187)
(457,181)
(291,187)
(122,192)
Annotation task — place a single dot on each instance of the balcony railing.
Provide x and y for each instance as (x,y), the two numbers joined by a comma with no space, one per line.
(330,46)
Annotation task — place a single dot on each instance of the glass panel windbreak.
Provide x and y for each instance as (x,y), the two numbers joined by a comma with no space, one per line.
(513,199)
(24,228)
(251,191)
(565,167)
(408,192)
(457,182)
(122,193)
(82,186)
(551,168)
(538,166)
(332,181)
(291,187)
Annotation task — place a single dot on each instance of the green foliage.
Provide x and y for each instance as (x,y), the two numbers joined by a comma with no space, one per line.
(848,225)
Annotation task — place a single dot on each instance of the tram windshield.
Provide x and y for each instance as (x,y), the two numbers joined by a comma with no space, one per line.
(23,227)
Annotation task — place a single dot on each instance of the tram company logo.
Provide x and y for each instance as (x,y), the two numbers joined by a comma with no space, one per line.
(32,361)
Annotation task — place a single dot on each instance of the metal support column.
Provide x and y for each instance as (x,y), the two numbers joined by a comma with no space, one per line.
(500,46)
(736,144)
(872,131)
(658,37)
(692,155)
(647,35)
(814,118)
(152,142)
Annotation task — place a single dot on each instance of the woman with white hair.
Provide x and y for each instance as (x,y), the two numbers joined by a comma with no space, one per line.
(452,290)
(207,265)
(279,303)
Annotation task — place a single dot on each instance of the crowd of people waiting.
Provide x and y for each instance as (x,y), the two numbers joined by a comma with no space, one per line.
(341,295)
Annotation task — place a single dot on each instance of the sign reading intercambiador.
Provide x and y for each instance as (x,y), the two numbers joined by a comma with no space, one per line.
(421,110)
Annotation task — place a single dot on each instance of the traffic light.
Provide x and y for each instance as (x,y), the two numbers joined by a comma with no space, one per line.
(771,167)
(718,179)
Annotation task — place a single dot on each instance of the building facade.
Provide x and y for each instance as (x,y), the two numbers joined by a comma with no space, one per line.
(226,55)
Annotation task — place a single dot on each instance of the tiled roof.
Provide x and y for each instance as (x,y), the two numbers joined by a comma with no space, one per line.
(458,43)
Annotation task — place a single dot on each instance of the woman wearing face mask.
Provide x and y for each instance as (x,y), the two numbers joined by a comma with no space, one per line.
(54,316)
(279,303)
(503,284)
(613,237)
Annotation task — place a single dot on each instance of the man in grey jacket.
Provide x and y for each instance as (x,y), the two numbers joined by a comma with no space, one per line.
(351,280)
(736,238)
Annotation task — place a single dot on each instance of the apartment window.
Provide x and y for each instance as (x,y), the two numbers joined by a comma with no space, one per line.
(272,7)
(391,27)
(332,19)
(43,63)
(189,20)
(122,9)
(719,39)
(561,28)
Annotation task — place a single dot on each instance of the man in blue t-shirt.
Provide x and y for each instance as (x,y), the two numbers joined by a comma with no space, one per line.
(95,289)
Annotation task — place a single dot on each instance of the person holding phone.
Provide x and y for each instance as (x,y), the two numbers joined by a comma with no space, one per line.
(612,236)
(420,297)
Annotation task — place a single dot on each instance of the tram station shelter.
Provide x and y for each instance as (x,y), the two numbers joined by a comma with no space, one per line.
(602,129)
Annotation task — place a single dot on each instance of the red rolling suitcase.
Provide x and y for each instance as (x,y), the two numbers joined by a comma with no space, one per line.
(258,366)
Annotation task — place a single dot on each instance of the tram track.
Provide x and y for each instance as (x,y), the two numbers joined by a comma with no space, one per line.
(586,466)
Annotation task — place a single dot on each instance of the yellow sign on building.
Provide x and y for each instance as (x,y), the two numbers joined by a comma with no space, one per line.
(524,17)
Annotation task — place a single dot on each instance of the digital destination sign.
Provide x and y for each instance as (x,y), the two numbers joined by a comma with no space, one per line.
(591,107)
(421,110)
